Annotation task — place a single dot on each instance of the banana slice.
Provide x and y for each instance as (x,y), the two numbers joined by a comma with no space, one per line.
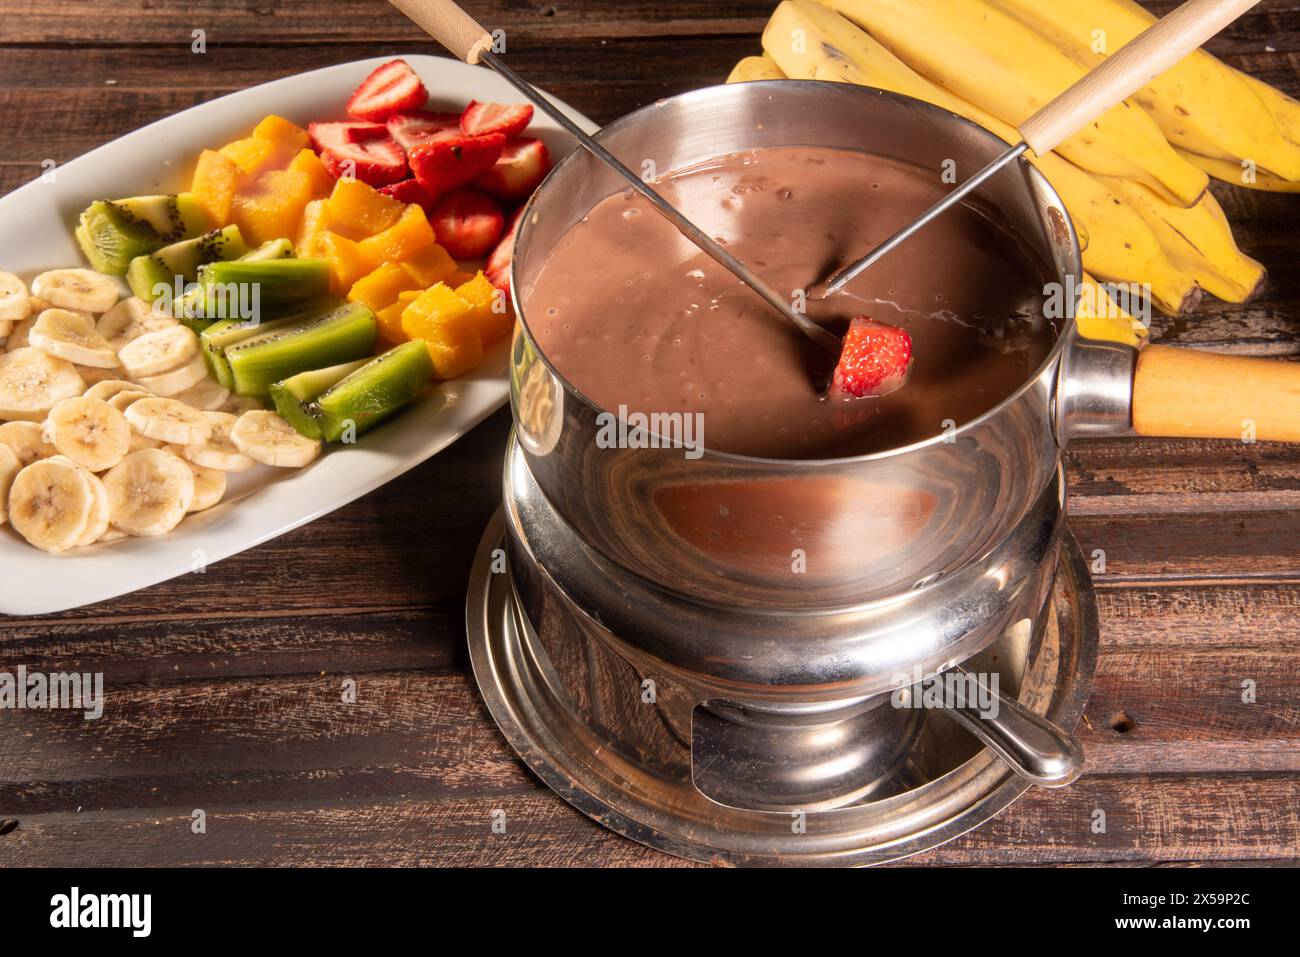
(149,492)
(218,451)
(32,381)
(108,388)
(168,421)
(159,351)
(9,469)
(265,437)
(15,303)
(139,442)
(208,395)
(27,441)
(177,380)
(122,400)
(237,405)
(97,523)
(76,289)
(71,336)
(130,319)
(111,534)
(90,432)
(19,335)
(50,504)
(209,487)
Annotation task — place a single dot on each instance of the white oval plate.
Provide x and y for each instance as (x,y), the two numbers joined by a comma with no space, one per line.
(36,223)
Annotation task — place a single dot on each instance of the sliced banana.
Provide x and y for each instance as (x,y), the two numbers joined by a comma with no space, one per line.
(218,451)
(19,335)
(107,388)
(265,437)
(149,492)
(90,432)
(208,395)
(76,289)
(50,504)
(97,523)
(237,405)
(159,351)
(130,319)
(32,381)
(27,441)
(177,380)
(111,534)
(10,466)
(209,487)
(123,399)
(72,336)
(168,421)
(15,303)
(139,442)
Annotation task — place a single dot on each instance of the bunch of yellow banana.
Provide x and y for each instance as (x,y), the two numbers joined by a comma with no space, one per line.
(1135,183)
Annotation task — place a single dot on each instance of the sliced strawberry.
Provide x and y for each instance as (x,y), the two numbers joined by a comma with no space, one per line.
(524,163)
(508,119)
(467,223)
(393,88)
(410,191)
(497,269)
(412,129)
(874,361)
(325,135)
(450,162)
(374,161)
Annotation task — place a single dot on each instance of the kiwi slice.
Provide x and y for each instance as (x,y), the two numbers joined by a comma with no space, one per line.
(278,351)
(280,285)
(271,249)
(112,232)
(161,267)
(216,338)
(322,403)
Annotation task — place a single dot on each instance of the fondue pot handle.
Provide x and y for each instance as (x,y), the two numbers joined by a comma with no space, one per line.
(1190,394)
(1033,747)
(1147,55)
(451,26)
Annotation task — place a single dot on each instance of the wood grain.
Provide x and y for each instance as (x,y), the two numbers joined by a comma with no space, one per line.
(224,688)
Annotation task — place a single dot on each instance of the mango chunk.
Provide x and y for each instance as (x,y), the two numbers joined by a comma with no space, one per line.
(309,164)
(390,323)
(406,237)
(217,179)
(446,324)
(381,287)
(491,311)
(430,266)
(347,264)
(359,211)
(273,208)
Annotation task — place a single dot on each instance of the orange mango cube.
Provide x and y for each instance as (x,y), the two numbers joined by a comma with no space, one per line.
(358,210)
(273,208)
(490,309)
(382,287)
(390,323)
(430,266)
(287,138)
(315,221)
(406,237)
(446,324)
(217,179)
(309,164)
(347,264)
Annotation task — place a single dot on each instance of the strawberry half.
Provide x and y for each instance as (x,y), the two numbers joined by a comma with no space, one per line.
(508,119)
(412,129)
(410,191)
(393,88)
(524,163)
(450,162)
(875,359)
(325,135)
(377,161)
(467,223)
(497,269)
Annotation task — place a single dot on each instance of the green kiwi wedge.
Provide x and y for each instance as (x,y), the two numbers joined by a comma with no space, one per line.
(112,232)
(278,351)
(267,287)
(155,271)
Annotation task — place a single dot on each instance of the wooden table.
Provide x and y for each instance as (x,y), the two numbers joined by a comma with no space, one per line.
(224,689)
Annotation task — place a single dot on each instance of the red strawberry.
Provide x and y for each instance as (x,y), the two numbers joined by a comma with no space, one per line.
(410,191)
(508,119)
(393,88)
(374,161)
(497,269)
(447,163)
(524,163)
(412,129)
(325,135)
(875,359)
(467,223)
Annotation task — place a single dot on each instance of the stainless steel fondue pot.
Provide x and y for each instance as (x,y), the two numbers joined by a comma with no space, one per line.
(680,572)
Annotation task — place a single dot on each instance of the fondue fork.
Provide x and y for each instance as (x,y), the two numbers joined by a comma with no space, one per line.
(1147,55)
(462,35)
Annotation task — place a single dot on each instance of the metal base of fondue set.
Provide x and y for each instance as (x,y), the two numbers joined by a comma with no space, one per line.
(839,784)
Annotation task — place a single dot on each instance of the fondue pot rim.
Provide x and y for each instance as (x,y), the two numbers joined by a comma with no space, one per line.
(789,88)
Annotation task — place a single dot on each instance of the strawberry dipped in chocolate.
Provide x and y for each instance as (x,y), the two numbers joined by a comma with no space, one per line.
(875,361)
